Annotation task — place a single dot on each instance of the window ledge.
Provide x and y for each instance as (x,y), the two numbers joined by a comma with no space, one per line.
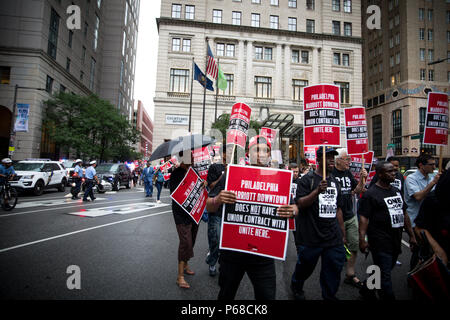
(178,94)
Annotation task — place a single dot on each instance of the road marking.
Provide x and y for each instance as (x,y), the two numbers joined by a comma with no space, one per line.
(81,205)
(80,231)
(122,209)
(48,203)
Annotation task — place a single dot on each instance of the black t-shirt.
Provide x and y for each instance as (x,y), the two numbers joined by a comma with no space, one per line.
(180,216)
(348,183)
(435,217)
(399,181)
(317,225)
(215,192)
(384,208)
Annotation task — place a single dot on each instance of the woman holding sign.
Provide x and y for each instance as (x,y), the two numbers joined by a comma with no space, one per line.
(233,265)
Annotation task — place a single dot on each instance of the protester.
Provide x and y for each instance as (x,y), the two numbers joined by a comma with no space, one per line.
(399,180)
(186,227)
(233,265)
(295,180)
(383,215)
(147,177)
(77,179)
(6,170)
(295,171)
(417,187)
(320,232)
(434,218)
(349,186)
(159,181)
(215,173)
(90,175)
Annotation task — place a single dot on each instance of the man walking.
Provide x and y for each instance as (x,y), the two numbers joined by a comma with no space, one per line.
(320,232)
(147,177)
(417,187)
(349,187)
(76,178)
(383,215)
(91,175)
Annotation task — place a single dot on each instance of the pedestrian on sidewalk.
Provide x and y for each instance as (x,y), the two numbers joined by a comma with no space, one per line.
(383,216)
(417,187)
(321,232)
(186,227)
(147,177)
(349,187)
(159,184)
(77,179)
(233,265)
(91,178)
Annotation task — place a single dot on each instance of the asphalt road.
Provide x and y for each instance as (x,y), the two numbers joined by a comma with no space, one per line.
(125,246)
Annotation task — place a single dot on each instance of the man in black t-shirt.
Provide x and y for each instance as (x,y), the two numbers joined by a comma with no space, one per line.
(399,180)
(349,187)
(233,265)
(383,215)
(320,232)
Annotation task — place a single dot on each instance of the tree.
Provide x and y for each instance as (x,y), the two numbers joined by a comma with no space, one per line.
(90,126)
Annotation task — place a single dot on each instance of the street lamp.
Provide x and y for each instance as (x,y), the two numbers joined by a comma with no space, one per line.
(12,133)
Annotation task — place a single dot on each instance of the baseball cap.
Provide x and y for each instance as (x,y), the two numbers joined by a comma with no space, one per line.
(259,139)
(328,150)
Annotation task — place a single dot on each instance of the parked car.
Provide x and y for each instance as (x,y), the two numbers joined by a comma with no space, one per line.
(118,174)
(36,175)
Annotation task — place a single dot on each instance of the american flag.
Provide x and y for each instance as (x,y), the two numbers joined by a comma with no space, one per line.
(212,67)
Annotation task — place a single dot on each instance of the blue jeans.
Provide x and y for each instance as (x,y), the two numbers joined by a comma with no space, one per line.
(214,224)
(159,186)
(386,262)
(333,260)
(148,187)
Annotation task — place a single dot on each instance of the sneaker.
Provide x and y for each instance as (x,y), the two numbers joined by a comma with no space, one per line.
(159,201)
(298,294)
(398,263)
(212,271)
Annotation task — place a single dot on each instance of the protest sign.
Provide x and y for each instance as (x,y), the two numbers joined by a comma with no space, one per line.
(202,161)
(436,124)
(310,154)
(164,169)
(356,130)
(191,195)
(252,225)
(357,161)
(321,115)
(239,124)
(269,134)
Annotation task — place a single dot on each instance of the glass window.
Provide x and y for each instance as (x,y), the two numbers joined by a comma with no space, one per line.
(397,131)
(230,85)
(348,6)
(217,16)
(422,74)
(186,45)
(310,26)
(97,25)
(421,13)
(344,91)
(258,53)
(295,56)
(430,75)
(92,75)
(236,18)
(305,56)
(69,43)
(176,44)
(263,87)
(347,29)
(176,11)
(53,34)
(292,3)
(310,4)
(430,14)
(346,59)
(292,24)
(49,84)
(267,53)
(274,22)
(337,58)
(336,4)
(179,80)
(230,50)
(220,49)
(255,19)
(421,34)
(430,55)
(5,75)
(256,1)
(430,34)
(190,12)
(336,27)
(377,135)
(422,54)
(297,86)
(274,2)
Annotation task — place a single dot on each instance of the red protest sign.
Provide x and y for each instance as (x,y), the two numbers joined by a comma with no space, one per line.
(191,195)
(436,124)
(239,124)
(356,130)
(269,134)
(310,154)
(202,161)
(251,225)
(370,177)
(164,167)
(321,115)
(356,163)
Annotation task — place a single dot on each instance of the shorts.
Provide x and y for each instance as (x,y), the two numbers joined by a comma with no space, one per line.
(352,233)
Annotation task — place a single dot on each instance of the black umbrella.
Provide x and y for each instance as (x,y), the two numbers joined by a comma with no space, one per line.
(173,147)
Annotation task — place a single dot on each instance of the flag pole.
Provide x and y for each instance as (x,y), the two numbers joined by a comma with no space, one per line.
(192,87)
(217,89)
(204,88)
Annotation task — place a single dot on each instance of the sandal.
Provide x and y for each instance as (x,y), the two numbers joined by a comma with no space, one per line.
(189,272)
(351,281)
(183,284)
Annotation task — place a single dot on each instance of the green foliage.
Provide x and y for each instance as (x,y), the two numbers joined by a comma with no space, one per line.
(90,126)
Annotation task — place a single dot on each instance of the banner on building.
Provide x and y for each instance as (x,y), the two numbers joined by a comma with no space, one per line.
(21,124)
(191,195)
(356,130)
(252,225)
(321,115)
(239,124)
(436,123)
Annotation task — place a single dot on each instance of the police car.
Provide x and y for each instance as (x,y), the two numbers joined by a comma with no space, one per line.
(36,175)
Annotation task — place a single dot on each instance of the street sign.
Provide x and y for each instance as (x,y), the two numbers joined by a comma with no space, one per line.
(417,137)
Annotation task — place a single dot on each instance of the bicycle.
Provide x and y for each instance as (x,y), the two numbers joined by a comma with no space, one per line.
(8,196)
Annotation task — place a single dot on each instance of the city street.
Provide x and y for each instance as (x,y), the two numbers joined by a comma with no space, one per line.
(126,248)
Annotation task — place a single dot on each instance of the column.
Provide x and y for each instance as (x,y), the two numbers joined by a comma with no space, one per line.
(240,76)
(287,72)
(249,70)
(278,93)
(315,67)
